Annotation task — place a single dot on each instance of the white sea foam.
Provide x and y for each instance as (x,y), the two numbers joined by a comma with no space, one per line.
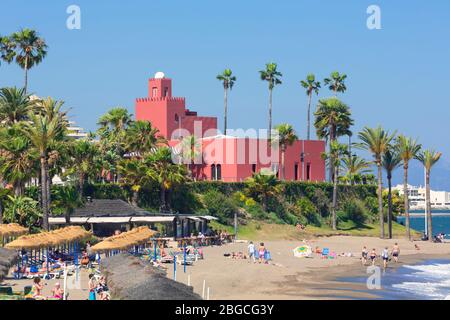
(435,282)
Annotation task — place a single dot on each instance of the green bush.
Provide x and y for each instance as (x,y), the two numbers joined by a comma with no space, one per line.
(220,206)
(309,211)
(353,210)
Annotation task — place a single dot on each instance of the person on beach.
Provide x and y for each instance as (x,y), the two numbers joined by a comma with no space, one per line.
(57,292)
(92,286)
(364,255)
(261,252)
(373,256)
(37,289)
(396,252)
(385,256)
(251,251)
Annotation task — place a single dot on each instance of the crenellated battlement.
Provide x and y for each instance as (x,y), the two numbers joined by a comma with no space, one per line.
(147,99)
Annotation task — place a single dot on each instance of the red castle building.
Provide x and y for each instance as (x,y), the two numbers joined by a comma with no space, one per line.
(228,158)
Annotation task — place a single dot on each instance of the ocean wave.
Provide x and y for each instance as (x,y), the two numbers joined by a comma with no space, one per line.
(432,270)
(435,284)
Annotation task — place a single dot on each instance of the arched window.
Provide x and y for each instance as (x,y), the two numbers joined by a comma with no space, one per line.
(213,172)
(218,172)
(177,119)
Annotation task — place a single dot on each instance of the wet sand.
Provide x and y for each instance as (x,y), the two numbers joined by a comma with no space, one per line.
(288,277)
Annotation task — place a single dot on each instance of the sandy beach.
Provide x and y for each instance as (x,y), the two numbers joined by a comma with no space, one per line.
(288,277)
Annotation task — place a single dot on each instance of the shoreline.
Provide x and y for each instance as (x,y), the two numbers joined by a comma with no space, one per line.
(297,278)
(332,284)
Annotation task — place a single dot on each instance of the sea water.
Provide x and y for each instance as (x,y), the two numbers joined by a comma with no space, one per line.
(441,222)
(427,280)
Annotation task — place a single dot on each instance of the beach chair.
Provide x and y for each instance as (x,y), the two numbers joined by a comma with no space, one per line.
(325,253)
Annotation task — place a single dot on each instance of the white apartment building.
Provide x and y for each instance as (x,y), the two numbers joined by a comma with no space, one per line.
(438,199)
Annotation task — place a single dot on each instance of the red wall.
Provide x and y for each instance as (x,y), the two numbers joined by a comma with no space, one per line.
(235,155)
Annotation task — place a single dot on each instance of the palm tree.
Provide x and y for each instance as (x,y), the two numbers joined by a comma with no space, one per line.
(377,141)
(22,210)
(163,171)
(191,152)
(407,149)
(336,82)
(263,186)
(333,119)
(273,78)
(228,80)
(391,161)
(428,158)
(337,151)
(43,130)
(355,166)
(142,137)
(15,105)
(30,50)
(83,153)
(286,137)
(18,158)
(67,199)
(115,120)
(4,193)
(311,85)
(133,174)
(7,47)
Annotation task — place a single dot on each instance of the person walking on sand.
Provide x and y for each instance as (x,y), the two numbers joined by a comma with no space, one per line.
(385,256)
(364,255)
(261,252)
(251,251)
(373,256)
(396,252)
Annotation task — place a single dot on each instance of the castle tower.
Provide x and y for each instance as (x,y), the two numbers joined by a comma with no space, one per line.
(168,113)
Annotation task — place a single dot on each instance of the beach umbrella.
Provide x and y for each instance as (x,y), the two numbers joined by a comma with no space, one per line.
(125,240)
(302,251)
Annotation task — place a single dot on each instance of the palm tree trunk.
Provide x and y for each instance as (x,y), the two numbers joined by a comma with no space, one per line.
(49,188)
(308,116)
(162,199)
(334,203)
(134,198)
(406,201)
(389,179)
(380,200)
(331,163)
(270,114)
(225,111)
(428,204)
(44,192)
(26,74)
(81,184)
(283,151)
(67,216)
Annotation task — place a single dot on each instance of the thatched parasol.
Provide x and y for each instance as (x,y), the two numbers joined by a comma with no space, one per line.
(49,239)
(12,230)
(125,240)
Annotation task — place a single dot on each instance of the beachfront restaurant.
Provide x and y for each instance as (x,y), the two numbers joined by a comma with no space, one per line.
(103,217)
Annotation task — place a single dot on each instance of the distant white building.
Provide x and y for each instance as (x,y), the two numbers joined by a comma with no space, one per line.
(75,132)
(438,199)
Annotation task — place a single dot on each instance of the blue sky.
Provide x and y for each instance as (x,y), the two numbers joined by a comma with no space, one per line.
(397,76)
